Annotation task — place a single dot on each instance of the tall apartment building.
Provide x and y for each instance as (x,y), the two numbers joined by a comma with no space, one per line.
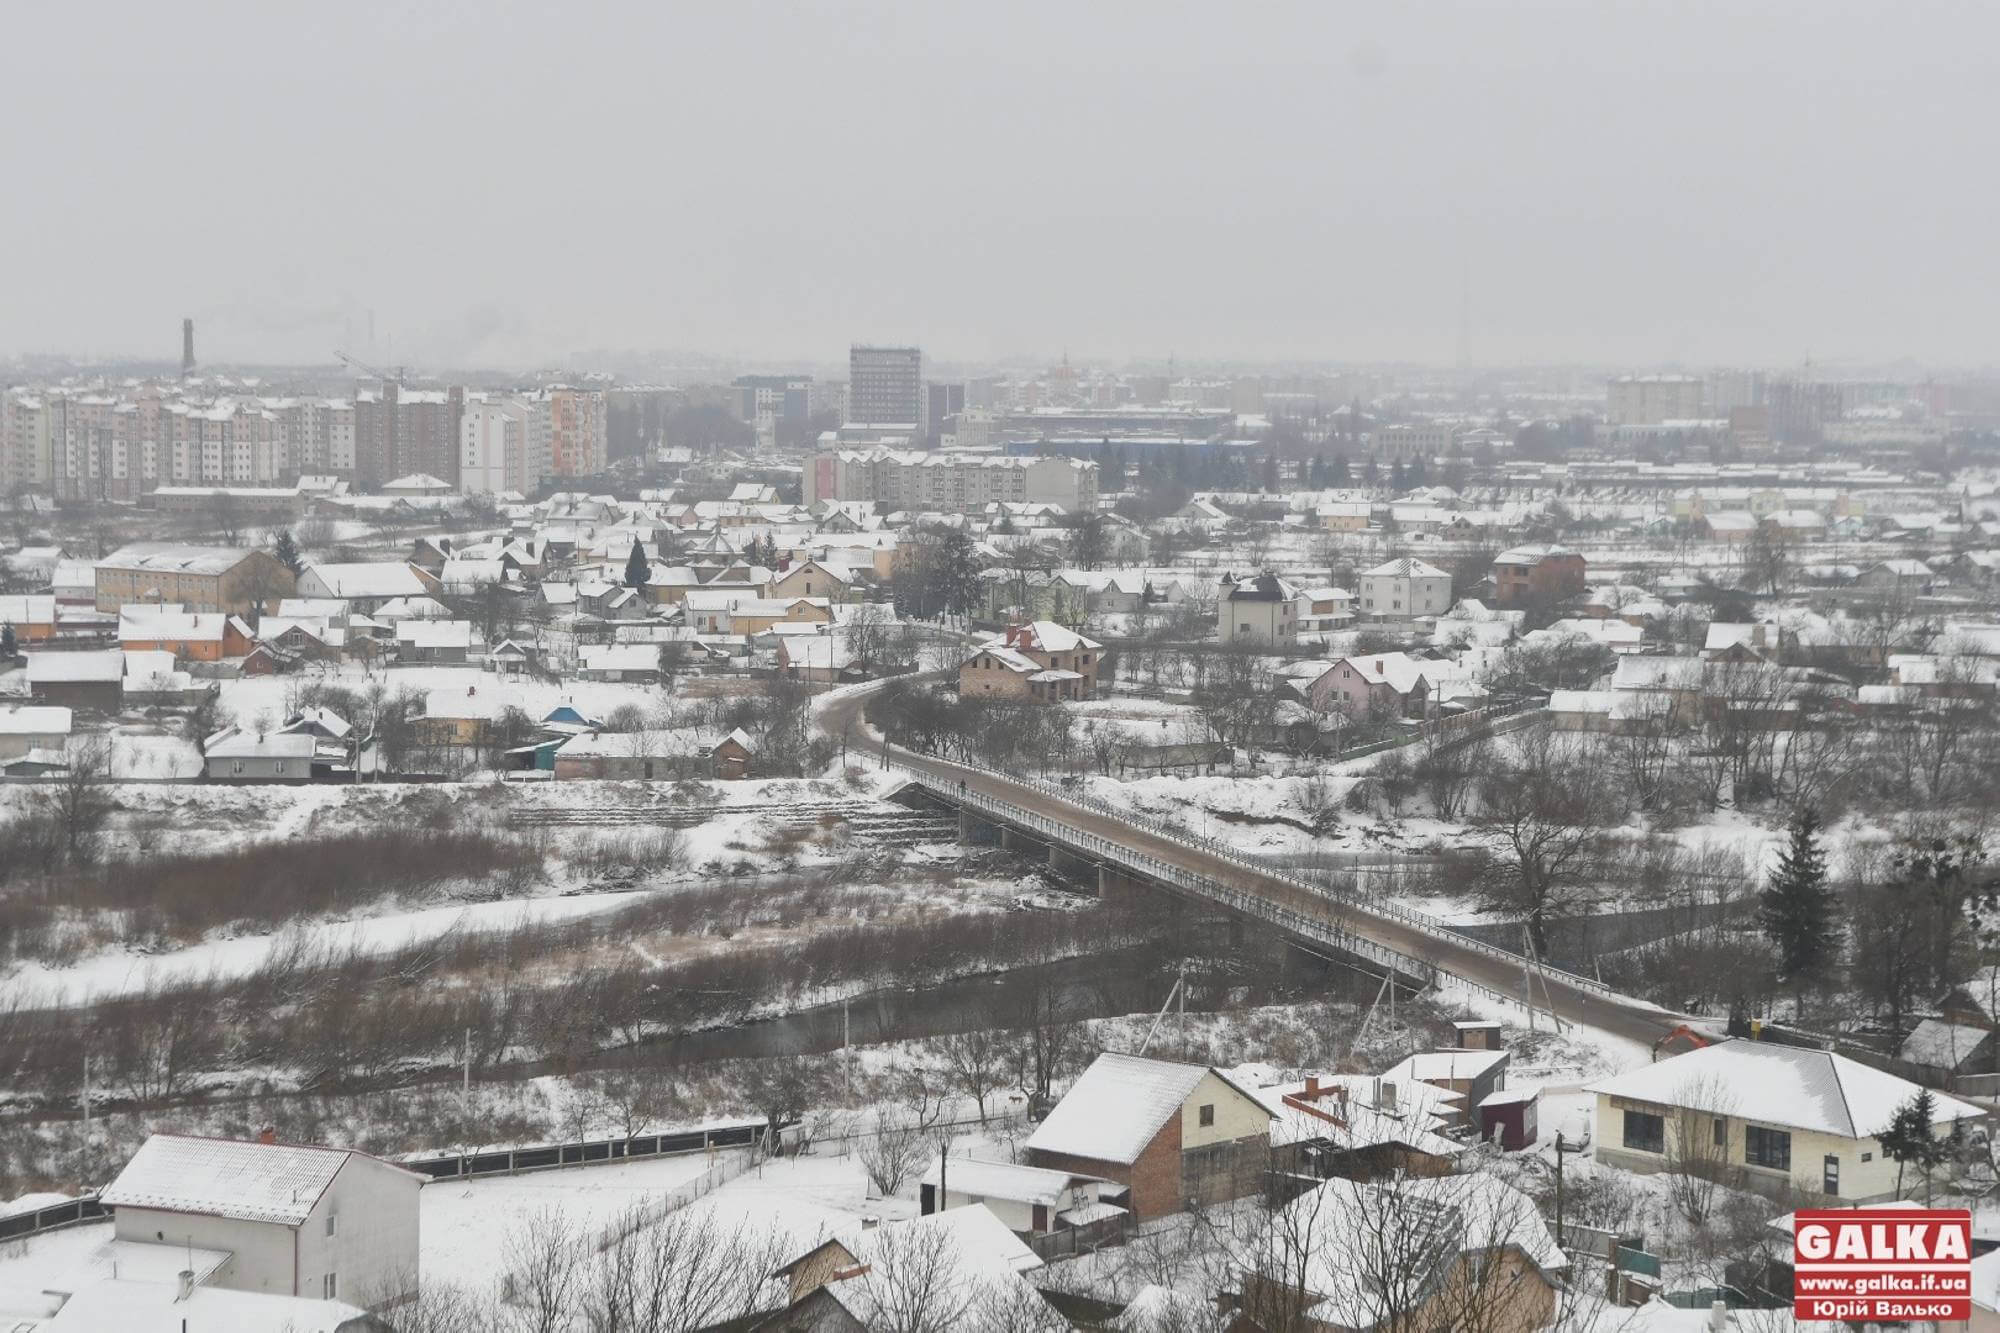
(905,479)
(885,385)
(400,431)
(576,426)
(500,445)
(1648,400)
(27,444)
(767,402)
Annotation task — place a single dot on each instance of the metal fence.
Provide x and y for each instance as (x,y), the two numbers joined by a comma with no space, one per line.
(52,1217)
(591,1152)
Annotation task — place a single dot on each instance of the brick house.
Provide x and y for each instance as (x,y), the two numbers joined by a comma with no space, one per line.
(198,578)
(1544,575)
(1169,1132)
(1040,660)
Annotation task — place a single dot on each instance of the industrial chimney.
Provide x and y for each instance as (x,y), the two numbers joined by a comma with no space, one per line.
(187,348)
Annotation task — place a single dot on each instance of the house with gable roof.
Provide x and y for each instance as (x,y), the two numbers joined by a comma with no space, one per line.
(288,1219)
(1171,1133)
(1040,661)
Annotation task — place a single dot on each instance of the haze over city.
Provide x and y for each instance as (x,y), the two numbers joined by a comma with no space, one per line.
(512,185)
(1008,668)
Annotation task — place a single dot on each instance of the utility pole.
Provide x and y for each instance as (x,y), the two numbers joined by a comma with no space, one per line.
(465,1086)
(1527,976)
(1561,1149)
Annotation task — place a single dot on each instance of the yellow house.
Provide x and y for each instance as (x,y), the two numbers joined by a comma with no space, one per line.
(1771,1118)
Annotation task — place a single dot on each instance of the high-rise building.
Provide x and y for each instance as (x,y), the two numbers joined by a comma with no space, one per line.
(577,431)
(942,402)
(770,403)
(1648,400)
(399,432)
(885,386)
(498,445)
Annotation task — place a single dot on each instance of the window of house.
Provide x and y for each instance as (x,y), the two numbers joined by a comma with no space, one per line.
(332,1223)
(1868,1157)
(236,766)
(1770,1148)
(1644,1132)
(1721,1132)
(332,1287)
(1207,1115)
(1830,1175)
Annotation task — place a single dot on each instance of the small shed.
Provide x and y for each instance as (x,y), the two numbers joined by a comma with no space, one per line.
(733,755)
(1508,1117)
(1472,1034)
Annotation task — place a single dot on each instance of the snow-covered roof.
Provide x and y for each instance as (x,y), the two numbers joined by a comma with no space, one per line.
(34,721)
(1113,1111)
(1941,1045)
(1780,1085)
(1433,1220)
(76,668)
(1003,1180)
(174,558)
(1445,1066)
(386,578)
(234,1178)
(269,745)
(1405,567)
(434,633)
(1399,671)
(1657,673)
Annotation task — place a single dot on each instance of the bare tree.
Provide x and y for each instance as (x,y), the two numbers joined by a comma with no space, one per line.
(1698,1148)
(1541,808)
(977,1063)
(545,1277)
(77,799)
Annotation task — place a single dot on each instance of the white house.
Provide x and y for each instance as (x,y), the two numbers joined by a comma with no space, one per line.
(33,728)
(292,1219)
(1260,609)
(363,587)
(1788,1118)
(249,756)
(1403,589)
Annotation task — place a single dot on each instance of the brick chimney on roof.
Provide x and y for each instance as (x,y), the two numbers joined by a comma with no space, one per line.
(268,1134)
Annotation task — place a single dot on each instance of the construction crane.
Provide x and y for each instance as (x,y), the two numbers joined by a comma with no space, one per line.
(356,363)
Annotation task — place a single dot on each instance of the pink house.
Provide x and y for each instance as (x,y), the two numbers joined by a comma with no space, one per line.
(1380,684)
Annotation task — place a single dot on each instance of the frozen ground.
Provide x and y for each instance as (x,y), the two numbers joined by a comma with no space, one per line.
(466,1223)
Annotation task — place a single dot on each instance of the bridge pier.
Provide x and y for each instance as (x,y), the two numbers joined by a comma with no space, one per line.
(976,832)
(1121,888)
(1069,865)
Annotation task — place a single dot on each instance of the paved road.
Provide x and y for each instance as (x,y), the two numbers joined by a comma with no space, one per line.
(1622,1016)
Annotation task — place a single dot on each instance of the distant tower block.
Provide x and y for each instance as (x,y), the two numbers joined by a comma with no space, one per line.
(187,348)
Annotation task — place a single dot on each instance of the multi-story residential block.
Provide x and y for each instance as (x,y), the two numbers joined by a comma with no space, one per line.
(575,431)
(498,445)
(953,483)
(885,385)
(1648,400)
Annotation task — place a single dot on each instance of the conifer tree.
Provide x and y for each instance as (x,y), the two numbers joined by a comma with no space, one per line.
(1797,909)
(637,569)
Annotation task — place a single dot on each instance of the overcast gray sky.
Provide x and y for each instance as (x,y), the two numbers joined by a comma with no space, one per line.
(1609,182)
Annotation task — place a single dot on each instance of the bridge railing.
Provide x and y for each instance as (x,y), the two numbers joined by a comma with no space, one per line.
(1250,904)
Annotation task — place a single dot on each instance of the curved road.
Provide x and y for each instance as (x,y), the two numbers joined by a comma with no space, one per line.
(1624,1016)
